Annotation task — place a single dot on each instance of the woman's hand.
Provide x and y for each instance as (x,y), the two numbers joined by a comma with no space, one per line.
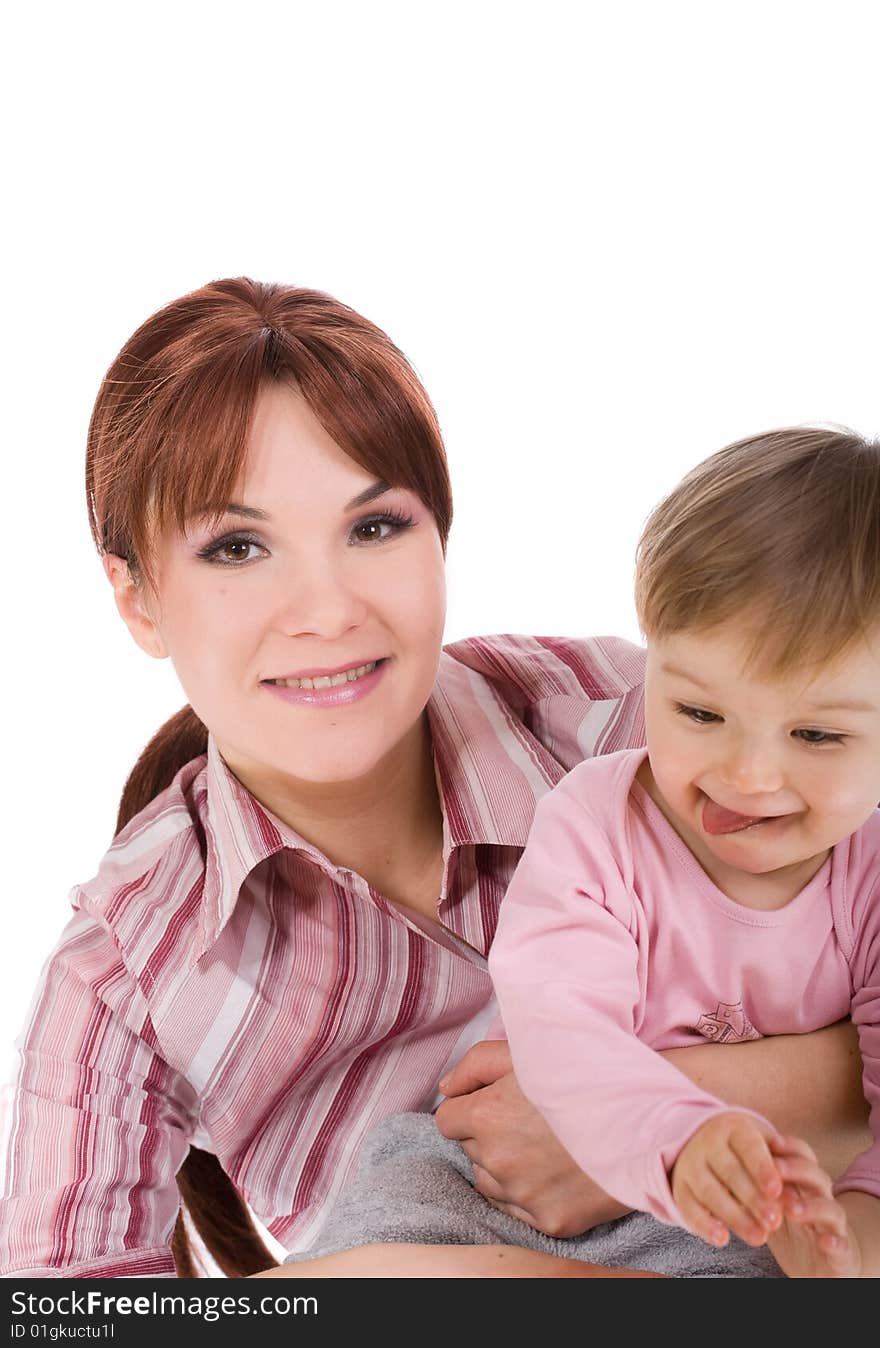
(519,1164)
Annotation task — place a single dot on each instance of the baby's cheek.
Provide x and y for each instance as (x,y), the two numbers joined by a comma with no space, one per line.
(850,801)
(682,770)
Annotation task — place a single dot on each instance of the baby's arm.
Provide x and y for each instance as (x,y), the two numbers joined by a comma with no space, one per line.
(810,1085)
(732,1175)
(569,969)
(820,1234)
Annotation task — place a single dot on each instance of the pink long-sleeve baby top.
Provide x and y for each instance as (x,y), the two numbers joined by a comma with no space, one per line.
(613,943)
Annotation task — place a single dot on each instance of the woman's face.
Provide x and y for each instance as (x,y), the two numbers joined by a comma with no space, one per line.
(316,571)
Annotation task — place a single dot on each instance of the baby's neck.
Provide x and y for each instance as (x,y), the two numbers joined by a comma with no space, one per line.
(766,892)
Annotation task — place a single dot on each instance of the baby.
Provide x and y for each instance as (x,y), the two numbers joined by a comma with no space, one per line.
(725,882)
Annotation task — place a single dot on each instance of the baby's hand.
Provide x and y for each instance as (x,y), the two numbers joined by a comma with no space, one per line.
(725,1179)
(815,1239)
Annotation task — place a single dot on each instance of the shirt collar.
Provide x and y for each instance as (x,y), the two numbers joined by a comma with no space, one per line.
(490,773)
(240,834)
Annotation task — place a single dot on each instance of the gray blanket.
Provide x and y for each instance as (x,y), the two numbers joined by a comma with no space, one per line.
(415,1187)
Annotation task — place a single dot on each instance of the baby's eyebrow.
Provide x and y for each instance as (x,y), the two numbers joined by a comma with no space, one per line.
(833,704)
(684,674)
(842,704)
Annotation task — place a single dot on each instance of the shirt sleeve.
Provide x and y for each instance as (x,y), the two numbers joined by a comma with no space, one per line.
(569,970)
(95,1124)
(864,1172)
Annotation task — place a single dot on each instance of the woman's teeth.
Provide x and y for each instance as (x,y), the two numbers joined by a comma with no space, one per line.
(328,680)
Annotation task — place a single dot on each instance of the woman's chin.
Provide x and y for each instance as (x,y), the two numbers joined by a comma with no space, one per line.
(324,775)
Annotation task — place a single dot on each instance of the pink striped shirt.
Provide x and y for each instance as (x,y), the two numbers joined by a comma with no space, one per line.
(221,982)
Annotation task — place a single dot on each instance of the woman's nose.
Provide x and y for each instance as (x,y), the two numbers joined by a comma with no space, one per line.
(318,599)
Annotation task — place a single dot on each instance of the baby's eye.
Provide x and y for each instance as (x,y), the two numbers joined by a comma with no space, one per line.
(698,714)
(809,736)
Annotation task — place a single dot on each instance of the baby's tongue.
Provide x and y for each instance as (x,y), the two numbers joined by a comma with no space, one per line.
(718,820)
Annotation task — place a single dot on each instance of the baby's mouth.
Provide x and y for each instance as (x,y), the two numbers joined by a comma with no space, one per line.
(717,819)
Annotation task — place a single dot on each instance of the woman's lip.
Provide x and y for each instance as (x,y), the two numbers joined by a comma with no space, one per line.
(326,673)
(338,695)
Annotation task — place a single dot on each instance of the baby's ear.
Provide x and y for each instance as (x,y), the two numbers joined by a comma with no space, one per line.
(134,606)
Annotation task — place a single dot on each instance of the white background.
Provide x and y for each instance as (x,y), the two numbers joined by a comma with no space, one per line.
(611,238)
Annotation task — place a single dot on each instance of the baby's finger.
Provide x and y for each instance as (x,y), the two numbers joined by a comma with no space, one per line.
(780,1145)
(699,1219)
(805,1174)
(736,1177)
(726,1207)
(750,1146)
(752,1150)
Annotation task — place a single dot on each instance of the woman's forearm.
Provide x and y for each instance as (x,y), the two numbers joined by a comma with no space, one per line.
(809,1085)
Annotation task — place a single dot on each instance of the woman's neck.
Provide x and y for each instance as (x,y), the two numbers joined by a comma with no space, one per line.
(386,826)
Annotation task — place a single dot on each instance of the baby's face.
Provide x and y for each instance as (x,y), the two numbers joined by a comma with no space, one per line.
(756,775)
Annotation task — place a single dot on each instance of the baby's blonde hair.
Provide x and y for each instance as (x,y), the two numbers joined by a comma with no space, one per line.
(781,533)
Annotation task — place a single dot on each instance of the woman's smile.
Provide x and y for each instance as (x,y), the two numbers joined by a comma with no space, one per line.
(334,690)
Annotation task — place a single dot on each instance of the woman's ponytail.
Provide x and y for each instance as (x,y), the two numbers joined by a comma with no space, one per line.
(177,743)
(213,1204)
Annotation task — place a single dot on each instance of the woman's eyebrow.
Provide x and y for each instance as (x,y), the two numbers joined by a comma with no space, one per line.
(251,513)
(248,512)
(370,494)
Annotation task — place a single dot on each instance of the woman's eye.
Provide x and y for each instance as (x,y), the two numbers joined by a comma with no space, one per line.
(807,736)
(370,532)
(236,549)
(380,528)
(229,551)
(696,714)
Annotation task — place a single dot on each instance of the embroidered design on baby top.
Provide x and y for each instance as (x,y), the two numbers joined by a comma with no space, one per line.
(727,1024)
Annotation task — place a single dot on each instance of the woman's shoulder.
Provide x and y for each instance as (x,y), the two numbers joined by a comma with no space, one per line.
(160,849)
(528,669)
(575,696)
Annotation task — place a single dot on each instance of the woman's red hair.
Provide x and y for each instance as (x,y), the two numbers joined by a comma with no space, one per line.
(168,439)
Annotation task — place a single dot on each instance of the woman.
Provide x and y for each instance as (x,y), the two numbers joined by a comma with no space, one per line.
(286,942)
